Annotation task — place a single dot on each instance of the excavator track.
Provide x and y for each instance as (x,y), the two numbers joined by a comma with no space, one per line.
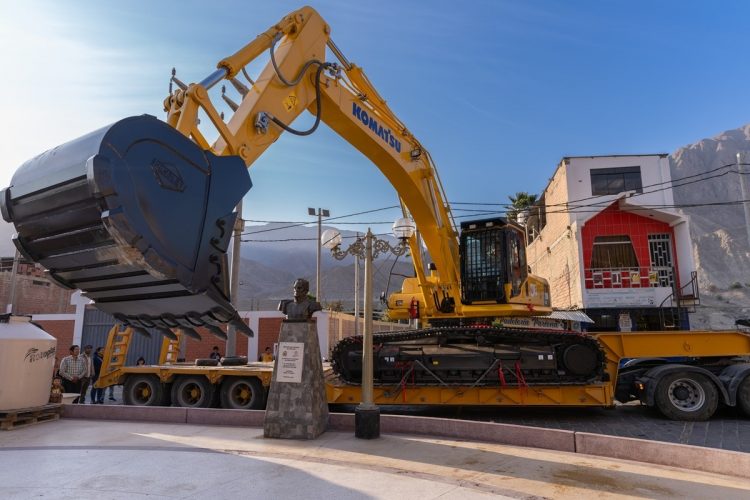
(477,356)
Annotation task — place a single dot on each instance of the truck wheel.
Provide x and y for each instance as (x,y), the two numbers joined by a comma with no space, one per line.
(743,396)
(234,361)
(686,396)
(242,393)
(144,390)
(192,392)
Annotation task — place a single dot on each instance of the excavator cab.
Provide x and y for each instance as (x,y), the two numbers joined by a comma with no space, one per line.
(139,218)
(493,261)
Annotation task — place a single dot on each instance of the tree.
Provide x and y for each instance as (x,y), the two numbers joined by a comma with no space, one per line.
(335,306)
(520,202)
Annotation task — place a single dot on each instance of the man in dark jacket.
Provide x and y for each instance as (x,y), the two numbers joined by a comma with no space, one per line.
(97,395)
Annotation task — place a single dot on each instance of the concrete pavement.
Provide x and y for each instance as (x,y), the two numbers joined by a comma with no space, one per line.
(79,458)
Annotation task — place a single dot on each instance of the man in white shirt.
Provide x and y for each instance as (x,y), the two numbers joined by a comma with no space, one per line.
(72,369)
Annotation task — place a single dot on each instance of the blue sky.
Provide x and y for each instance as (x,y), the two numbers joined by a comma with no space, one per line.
(498,91)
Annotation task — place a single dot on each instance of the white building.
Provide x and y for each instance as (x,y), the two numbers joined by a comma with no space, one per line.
(606,235)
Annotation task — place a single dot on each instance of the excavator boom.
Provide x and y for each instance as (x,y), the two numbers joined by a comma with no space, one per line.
(139,214)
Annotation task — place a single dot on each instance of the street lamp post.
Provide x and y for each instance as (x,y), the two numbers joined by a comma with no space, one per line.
(322,212)
(367,414)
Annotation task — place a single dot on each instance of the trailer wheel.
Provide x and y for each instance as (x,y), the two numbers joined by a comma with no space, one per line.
(686,396)
(144,390)
(743,396)
(242,393)
(192,392)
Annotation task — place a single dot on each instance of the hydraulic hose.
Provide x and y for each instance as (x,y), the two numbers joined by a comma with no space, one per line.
(321,67)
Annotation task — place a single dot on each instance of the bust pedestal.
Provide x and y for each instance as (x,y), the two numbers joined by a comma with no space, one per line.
(297,407)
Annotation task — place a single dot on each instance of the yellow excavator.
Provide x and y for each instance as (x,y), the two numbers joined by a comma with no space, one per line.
(139,215)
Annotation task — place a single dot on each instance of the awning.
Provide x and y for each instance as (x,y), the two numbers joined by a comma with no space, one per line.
(579,316)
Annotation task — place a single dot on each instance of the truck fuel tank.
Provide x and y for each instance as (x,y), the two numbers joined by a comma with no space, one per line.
(139,218)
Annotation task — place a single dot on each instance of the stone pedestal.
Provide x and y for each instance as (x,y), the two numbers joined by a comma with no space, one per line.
(297,407)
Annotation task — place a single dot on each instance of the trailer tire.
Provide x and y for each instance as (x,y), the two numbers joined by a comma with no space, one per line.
(743,396)
(192,392)
(242,393)
(206,362)
(234,361)
(686,396)
(144,390)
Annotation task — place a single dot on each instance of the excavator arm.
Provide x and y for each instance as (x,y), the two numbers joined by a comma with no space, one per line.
(138,214)
(340,95)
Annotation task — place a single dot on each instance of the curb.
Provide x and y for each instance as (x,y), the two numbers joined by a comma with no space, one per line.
(730,463)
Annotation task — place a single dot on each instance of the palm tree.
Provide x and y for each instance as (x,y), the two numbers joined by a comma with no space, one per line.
(519,203)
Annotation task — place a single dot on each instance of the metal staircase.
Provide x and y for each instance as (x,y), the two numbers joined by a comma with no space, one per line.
(682,299)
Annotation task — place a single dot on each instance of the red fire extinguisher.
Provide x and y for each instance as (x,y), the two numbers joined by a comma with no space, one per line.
(414,309)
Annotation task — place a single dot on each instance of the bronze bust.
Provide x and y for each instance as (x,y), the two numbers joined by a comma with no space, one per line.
(301,308)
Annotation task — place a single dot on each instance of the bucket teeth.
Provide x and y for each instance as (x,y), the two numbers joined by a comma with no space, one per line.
(217,331)
(241,327)
(191,333)
(167,333)
(138,217)
(142,331)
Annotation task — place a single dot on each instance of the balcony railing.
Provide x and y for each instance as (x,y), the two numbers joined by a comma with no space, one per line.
(629,277)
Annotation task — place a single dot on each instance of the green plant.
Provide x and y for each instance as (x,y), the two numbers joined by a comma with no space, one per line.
(735,285)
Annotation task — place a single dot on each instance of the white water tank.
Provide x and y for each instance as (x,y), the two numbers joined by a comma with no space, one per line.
(27,362)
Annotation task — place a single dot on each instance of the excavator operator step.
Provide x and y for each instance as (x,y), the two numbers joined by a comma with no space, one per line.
(139,218)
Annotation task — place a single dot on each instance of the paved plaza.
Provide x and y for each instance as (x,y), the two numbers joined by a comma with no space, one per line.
(78,459)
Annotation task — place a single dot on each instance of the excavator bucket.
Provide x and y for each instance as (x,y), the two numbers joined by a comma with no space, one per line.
(139,218)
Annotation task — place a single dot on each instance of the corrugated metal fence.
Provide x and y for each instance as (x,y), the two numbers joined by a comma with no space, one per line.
(96,326)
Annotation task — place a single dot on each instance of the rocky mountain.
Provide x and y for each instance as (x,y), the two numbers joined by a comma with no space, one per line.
(719,232)
(274,255)
(720,240)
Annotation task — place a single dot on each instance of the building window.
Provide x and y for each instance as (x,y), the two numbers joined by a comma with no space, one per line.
(613,252)
(615,180)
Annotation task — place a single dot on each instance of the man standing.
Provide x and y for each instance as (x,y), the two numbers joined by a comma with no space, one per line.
(267,356)
(86,379)
(215,354)
(72,369)
(97,395)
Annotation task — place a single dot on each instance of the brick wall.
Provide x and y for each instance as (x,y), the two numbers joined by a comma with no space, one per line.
(35,294)
(202,348)
(62,330)
(268,333)
(554,254)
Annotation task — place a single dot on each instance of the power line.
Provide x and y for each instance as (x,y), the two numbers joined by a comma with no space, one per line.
(672,181)
(571,206)
(297,224)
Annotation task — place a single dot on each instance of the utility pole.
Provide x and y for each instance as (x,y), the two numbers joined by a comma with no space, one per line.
(13,279)
(322,212)
(356,293)
(234,283)
(743,190)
